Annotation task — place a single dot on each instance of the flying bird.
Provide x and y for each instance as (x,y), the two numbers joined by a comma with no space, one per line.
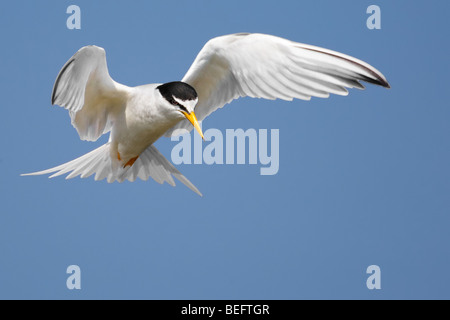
(227,67)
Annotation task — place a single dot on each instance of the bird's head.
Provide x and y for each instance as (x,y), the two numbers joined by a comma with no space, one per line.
(180,100)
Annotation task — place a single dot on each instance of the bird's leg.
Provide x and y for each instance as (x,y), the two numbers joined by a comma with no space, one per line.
(131,162)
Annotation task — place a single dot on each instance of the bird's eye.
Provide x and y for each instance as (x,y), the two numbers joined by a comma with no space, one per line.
(181,107)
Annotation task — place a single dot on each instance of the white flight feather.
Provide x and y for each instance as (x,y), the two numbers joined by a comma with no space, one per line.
(85,88)
(151,163)
(265,66)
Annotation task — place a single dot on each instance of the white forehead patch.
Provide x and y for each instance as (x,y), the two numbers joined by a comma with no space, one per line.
(188,104)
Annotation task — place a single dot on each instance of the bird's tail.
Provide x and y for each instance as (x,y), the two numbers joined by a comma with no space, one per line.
(151,163)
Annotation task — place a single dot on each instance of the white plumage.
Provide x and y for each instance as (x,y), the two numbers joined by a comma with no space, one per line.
(228,67)
(269,67)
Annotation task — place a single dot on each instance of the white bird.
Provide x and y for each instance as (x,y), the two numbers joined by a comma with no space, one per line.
(228,67)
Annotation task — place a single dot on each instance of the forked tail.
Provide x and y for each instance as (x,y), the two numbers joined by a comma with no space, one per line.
(151,163)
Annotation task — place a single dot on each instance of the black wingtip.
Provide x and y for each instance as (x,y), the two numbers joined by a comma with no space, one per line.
(383,83)
(58,78)
(377,78)
(380,81)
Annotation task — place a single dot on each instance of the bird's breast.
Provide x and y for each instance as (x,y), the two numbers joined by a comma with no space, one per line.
(140,126)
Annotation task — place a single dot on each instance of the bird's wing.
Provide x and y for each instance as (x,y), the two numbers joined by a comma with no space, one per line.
(85,88)
(265,66)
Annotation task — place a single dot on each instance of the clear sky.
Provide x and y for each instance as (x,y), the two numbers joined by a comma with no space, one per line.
(363,180)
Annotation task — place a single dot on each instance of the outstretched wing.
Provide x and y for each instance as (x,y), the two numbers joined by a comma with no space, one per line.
(265,66)
(85,88)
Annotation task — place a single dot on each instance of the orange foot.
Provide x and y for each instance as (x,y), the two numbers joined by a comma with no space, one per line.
(131,162)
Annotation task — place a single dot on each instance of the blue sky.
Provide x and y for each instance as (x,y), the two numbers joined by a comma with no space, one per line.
(363,180)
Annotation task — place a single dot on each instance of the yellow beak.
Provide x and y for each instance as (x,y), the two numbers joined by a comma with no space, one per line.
(193,119)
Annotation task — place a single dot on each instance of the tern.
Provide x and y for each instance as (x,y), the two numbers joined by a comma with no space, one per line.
(228,67)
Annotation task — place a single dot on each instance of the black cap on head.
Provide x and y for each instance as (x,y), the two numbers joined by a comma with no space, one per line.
(179,90)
